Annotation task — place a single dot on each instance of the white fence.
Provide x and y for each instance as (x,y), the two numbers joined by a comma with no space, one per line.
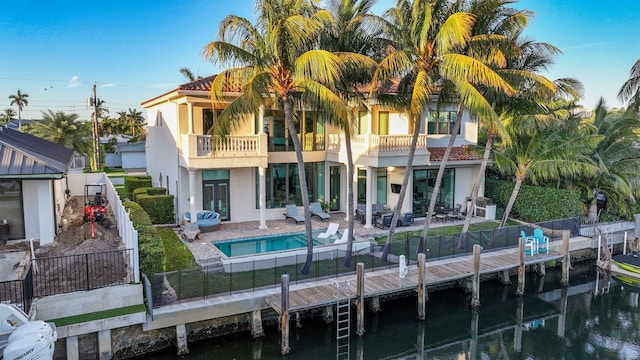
(129,235)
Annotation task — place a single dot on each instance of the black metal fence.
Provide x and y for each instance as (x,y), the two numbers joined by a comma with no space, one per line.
(251,275)
(65,274)
(18,292)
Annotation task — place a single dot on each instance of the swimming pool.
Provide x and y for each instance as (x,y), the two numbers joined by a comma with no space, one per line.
(264,244)
(266,252)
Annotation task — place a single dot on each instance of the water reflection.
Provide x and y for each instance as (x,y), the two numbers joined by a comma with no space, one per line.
(596,317)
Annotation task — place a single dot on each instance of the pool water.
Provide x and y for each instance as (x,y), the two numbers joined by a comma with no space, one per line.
(263,244)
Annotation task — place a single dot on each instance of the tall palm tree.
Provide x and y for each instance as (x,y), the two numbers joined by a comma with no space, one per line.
(426,52)
(617,158)
(276,66)
(353,29)
(20,100)
(7,115)
(136,121)
(630,90)
(543,155)
(64,129)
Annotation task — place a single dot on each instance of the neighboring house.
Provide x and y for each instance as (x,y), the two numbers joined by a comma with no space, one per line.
(32,184)
(128,156)
(252,174)
(15,123)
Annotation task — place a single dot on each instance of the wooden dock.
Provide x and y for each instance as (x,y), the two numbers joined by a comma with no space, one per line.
(322,293)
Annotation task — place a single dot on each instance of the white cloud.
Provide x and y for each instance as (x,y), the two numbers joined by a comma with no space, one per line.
(108,85)
(74,82)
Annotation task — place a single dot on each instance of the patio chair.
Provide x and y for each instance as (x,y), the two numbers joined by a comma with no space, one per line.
(530,244)
(543,241)
(332,230)
(316,210)
(292,213)
(343,239)
(455,214)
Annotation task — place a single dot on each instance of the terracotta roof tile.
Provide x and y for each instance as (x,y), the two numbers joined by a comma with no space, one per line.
(459,153)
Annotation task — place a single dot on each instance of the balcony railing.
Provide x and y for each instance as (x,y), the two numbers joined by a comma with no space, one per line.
(232,145)
(377,145)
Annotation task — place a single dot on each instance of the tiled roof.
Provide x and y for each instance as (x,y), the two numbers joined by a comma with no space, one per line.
(460,153)
(24,155)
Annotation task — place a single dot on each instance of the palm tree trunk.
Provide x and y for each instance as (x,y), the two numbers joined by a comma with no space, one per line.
(403,189)
(350,209)
(476,189)
(288,115)
(436,189)
(512,200)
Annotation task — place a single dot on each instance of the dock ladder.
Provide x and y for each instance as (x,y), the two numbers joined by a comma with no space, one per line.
(342,293)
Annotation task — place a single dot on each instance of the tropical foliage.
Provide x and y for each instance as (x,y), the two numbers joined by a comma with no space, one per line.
(62,128)
(20,100)
(277,66)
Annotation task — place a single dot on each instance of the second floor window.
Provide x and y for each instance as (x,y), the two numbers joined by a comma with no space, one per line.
(441,122)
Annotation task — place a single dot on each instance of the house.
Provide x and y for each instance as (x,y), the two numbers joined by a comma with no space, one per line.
(252,174)
(128,156)
(32,184)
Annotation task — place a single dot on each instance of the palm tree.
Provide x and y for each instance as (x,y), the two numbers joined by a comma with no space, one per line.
(426,52)
(275,57)
(546,154)
(20,100)
(353,29)
(630,90)
(8,114)
(136,121)
(63,129)
(187,73)
(617,158)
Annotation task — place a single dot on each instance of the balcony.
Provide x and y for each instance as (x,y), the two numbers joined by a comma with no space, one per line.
(231,151)
(381,150)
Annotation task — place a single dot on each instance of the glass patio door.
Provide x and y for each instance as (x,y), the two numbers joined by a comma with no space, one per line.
(215,196)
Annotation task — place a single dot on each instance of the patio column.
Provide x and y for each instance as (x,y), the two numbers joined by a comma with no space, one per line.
(369,192)
(192,195)
(262,198)
(190,117)
(261,120)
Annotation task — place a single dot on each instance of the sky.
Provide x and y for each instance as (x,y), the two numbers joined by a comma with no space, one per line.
(55,51)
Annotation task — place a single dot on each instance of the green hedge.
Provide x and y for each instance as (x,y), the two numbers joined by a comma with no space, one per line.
(534,203)
(149,243)
(156,203)
(133,182)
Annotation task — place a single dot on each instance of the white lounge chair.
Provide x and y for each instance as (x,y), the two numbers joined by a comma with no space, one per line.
(332,230)
(343,239)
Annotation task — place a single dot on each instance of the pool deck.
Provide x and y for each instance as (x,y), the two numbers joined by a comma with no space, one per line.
(207,254)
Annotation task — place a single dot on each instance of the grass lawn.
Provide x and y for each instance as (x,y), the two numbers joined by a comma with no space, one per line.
(177,255)
(447,230)
(78,319)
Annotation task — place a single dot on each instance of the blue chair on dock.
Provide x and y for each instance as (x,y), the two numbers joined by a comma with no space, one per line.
(543,241)
(530,244)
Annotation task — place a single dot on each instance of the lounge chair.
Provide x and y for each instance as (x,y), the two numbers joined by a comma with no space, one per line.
(292,213)
(332,230)
(316,209)
(343,239)
(207,220)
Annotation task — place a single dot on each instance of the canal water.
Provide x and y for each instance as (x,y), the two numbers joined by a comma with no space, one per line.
(593,318)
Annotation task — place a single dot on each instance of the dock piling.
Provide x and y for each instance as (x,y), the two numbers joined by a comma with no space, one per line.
(566,261)
(520,289)
(360,298)
(475,298)
(284,317)
(421,287)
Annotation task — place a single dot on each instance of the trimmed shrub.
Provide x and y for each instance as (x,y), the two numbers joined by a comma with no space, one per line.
(156,203)
(149,243)
(133,182)
(534,203)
